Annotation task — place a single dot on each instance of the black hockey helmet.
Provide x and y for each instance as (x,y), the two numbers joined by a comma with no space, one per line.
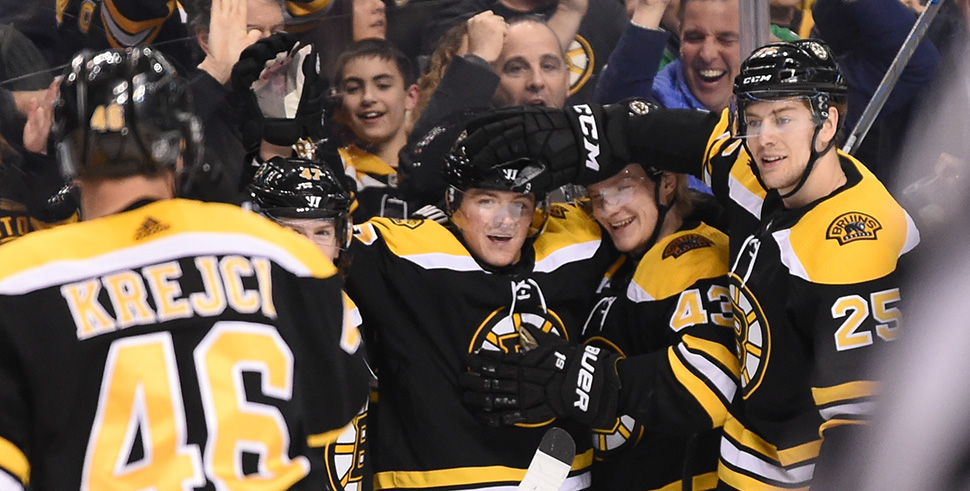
(801,68)
(297,188)
(521,175)
(516,175)
(804,68)
(123,112)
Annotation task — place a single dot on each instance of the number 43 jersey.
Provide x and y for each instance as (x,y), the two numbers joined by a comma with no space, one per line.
(177,345)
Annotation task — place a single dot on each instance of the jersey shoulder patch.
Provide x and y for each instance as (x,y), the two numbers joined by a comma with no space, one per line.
(855,236)
(678,261)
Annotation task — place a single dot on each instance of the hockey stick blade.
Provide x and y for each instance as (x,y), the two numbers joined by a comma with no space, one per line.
(551,463)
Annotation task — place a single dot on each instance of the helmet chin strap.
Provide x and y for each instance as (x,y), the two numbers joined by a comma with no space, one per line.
(812,158)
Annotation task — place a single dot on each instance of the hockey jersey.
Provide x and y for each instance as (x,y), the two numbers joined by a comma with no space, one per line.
(815,296)
(347,458)
(175,345)
(15,221)
(429,303)
(377,194)
(670,314)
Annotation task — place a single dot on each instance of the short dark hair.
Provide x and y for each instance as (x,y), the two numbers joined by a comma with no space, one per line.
(376,48)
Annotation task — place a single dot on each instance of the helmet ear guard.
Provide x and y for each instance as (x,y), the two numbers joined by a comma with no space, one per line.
(124,112)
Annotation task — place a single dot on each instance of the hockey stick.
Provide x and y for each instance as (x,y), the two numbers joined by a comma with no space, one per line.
(889,80)
(551,463)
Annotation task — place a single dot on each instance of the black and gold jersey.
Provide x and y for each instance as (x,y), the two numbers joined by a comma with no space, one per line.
(103,24)
(16,221)
(670,314)
(815,295)
(428,303)
(175,345)
(347,457)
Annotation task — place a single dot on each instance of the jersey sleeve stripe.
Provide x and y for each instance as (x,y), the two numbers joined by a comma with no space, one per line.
(187,244)
(756,465)
(321,440)
(9,483)
(725,384)
(707,398)
(704,481)
(720,353)
(748,439)
(852,390)
(14,460)
(854,409)
(473,478)
(832,423)
(912,234)
(738,480)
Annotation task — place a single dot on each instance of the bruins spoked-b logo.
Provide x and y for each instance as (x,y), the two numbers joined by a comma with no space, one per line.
(500,330)
(753,335)
(853,226)
(581,61)
(345,457)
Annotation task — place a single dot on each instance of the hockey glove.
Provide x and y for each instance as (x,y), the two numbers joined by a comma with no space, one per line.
(556,378)
(280,84)
(580,144)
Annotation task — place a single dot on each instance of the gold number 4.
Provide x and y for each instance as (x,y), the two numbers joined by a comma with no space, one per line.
(141,394)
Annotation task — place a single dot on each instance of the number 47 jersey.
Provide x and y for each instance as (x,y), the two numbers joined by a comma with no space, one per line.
(177,345)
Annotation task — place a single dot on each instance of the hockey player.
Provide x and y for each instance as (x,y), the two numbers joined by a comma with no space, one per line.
(663,305)
(309,198)
(815,240)
(431,294)
(163,342)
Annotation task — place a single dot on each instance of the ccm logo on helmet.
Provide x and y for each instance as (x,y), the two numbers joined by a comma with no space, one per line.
(755,79)
(585,380)
(590,136)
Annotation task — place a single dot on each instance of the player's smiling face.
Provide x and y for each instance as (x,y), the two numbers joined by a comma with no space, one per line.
(495,224)
(709,50)
(625,207)
(779,138)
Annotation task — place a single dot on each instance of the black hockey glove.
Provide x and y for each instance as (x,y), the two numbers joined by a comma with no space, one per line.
(556,378)
(580,144)
(280,84)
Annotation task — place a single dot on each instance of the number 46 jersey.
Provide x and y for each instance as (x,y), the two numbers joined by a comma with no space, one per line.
(177,345)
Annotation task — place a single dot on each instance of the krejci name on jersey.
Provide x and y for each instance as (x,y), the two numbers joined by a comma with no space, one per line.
(128,291)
